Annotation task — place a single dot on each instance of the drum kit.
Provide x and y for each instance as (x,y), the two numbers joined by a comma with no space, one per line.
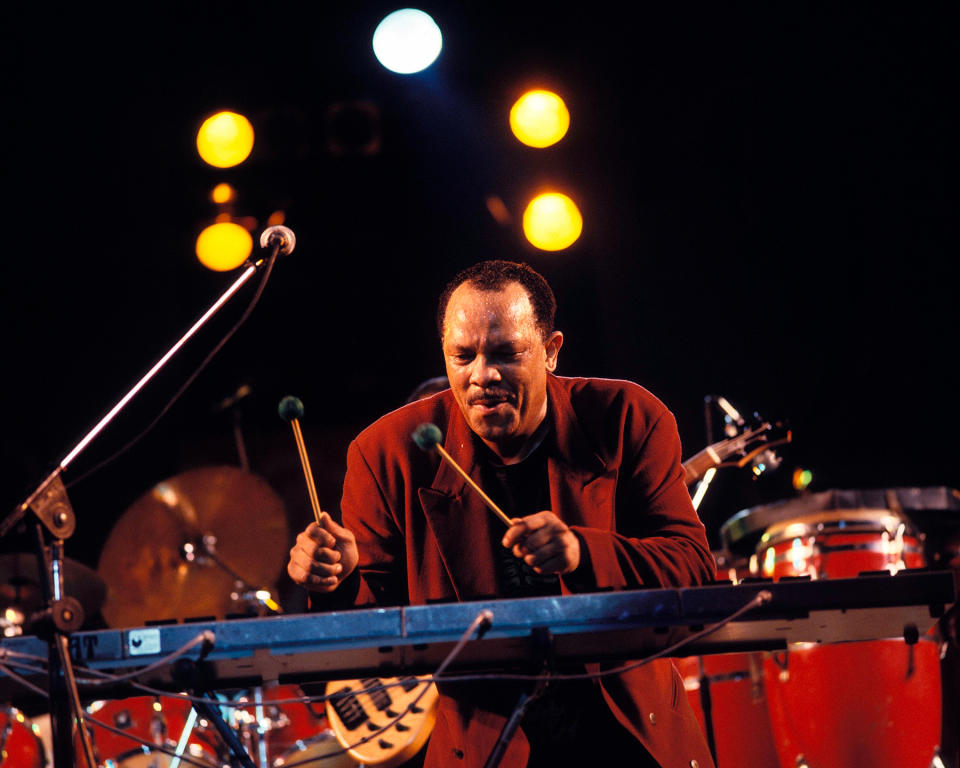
(198,545)
(872,703)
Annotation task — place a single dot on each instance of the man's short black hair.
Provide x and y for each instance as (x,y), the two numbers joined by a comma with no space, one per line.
(495,274)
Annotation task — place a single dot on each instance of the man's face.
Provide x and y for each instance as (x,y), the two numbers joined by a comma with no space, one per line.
(497,363)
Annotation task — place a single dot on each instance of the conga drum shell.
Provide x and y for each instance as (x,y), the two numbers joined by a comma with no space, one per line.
(739,716)
(871,704)
(22,745)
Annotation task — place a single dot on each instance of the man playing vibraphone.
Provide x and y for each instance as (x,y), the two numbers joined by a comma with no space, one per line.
(587,470)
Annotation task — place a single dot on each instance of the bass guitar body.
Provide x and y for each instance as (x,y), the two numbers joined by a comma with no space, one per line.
(405,708)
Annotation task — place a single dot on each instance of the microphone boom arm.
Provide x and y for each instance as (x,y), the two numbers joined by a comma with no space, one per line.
(51,489)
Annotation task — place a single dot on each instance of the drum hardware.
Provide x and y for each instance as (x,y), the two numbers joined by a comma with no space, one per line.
(190,675)
(282,727)
(245,597)
(21,592)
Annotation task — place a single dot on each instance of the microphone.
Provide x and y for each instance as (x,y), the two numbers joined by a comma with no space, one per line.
(279,236)
(427,437)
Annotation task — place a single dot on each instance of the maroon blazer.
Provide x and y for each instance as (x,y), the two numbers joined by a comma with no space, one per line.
(615,477)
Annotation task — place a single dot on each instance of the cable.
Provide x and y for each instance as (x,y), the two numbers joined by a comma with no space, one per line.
(190,379)
(8,671)
(761,598)
(206,636)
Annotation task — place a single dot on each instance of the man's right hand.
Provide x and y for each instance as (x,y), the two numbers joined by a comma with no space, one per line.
(323,556)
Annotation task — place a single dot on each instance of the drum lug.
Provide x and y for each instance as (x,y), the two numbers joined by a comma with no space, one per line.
(781,659)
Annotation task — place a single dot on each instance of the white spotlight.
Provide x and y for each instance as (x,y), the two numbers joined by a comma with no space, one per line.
(407,41)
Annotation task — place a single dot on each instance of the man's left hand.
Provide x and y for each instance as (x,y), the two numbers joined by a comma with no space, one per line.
(544,542)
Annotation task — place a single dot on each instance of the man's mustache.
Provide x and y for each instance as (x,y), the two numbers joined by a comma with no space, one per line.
(490,394)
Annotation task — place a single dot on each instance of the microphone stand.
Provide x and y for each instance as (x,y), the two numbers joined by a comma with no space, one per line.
(543,651)
(51,506)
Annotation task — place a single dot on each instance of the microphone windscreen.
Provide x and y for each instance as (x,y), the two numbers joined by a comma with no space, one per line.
(290,408)
(427,436)
(282,236)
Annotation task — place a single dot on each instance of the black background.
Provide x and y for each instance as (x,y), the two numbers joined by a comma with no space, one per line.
(769,198)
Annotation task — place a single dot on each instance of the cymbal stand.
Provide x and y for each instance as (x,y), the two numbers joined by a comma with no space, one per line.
(244,590)
(49,503)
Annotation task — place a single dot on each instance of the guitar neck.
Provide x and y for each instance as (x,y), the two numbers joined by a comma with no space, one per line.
(747,444)
(696,466)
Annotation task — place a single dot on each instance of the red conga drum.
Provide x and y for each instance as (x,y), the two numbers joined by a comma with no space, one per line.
(873,704)
(733,686)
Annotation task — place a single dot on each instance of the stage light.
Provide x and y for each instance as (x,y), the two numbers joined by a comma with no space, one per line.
(407,41)
(225,139)
(498,209)
(223,193)
(802,478)
(552,221)
(224,246)
(539,118)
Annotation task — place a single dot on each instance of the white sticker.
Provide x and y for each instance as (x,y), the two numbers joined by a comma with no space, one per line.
(143,642)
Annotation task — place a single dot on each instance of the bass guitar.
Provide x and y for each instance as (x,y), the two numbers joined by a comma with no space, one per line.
(358,709)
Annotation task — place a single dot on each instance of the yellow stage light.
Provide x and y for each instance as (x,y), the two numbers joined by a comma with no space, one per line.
(222,193)
(539,118)
(225,139)
(224,246)
(552,221)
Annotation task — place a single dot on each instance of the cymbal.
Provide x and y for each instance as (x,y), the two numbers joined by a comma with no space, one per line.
(20,583)
(146,560)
